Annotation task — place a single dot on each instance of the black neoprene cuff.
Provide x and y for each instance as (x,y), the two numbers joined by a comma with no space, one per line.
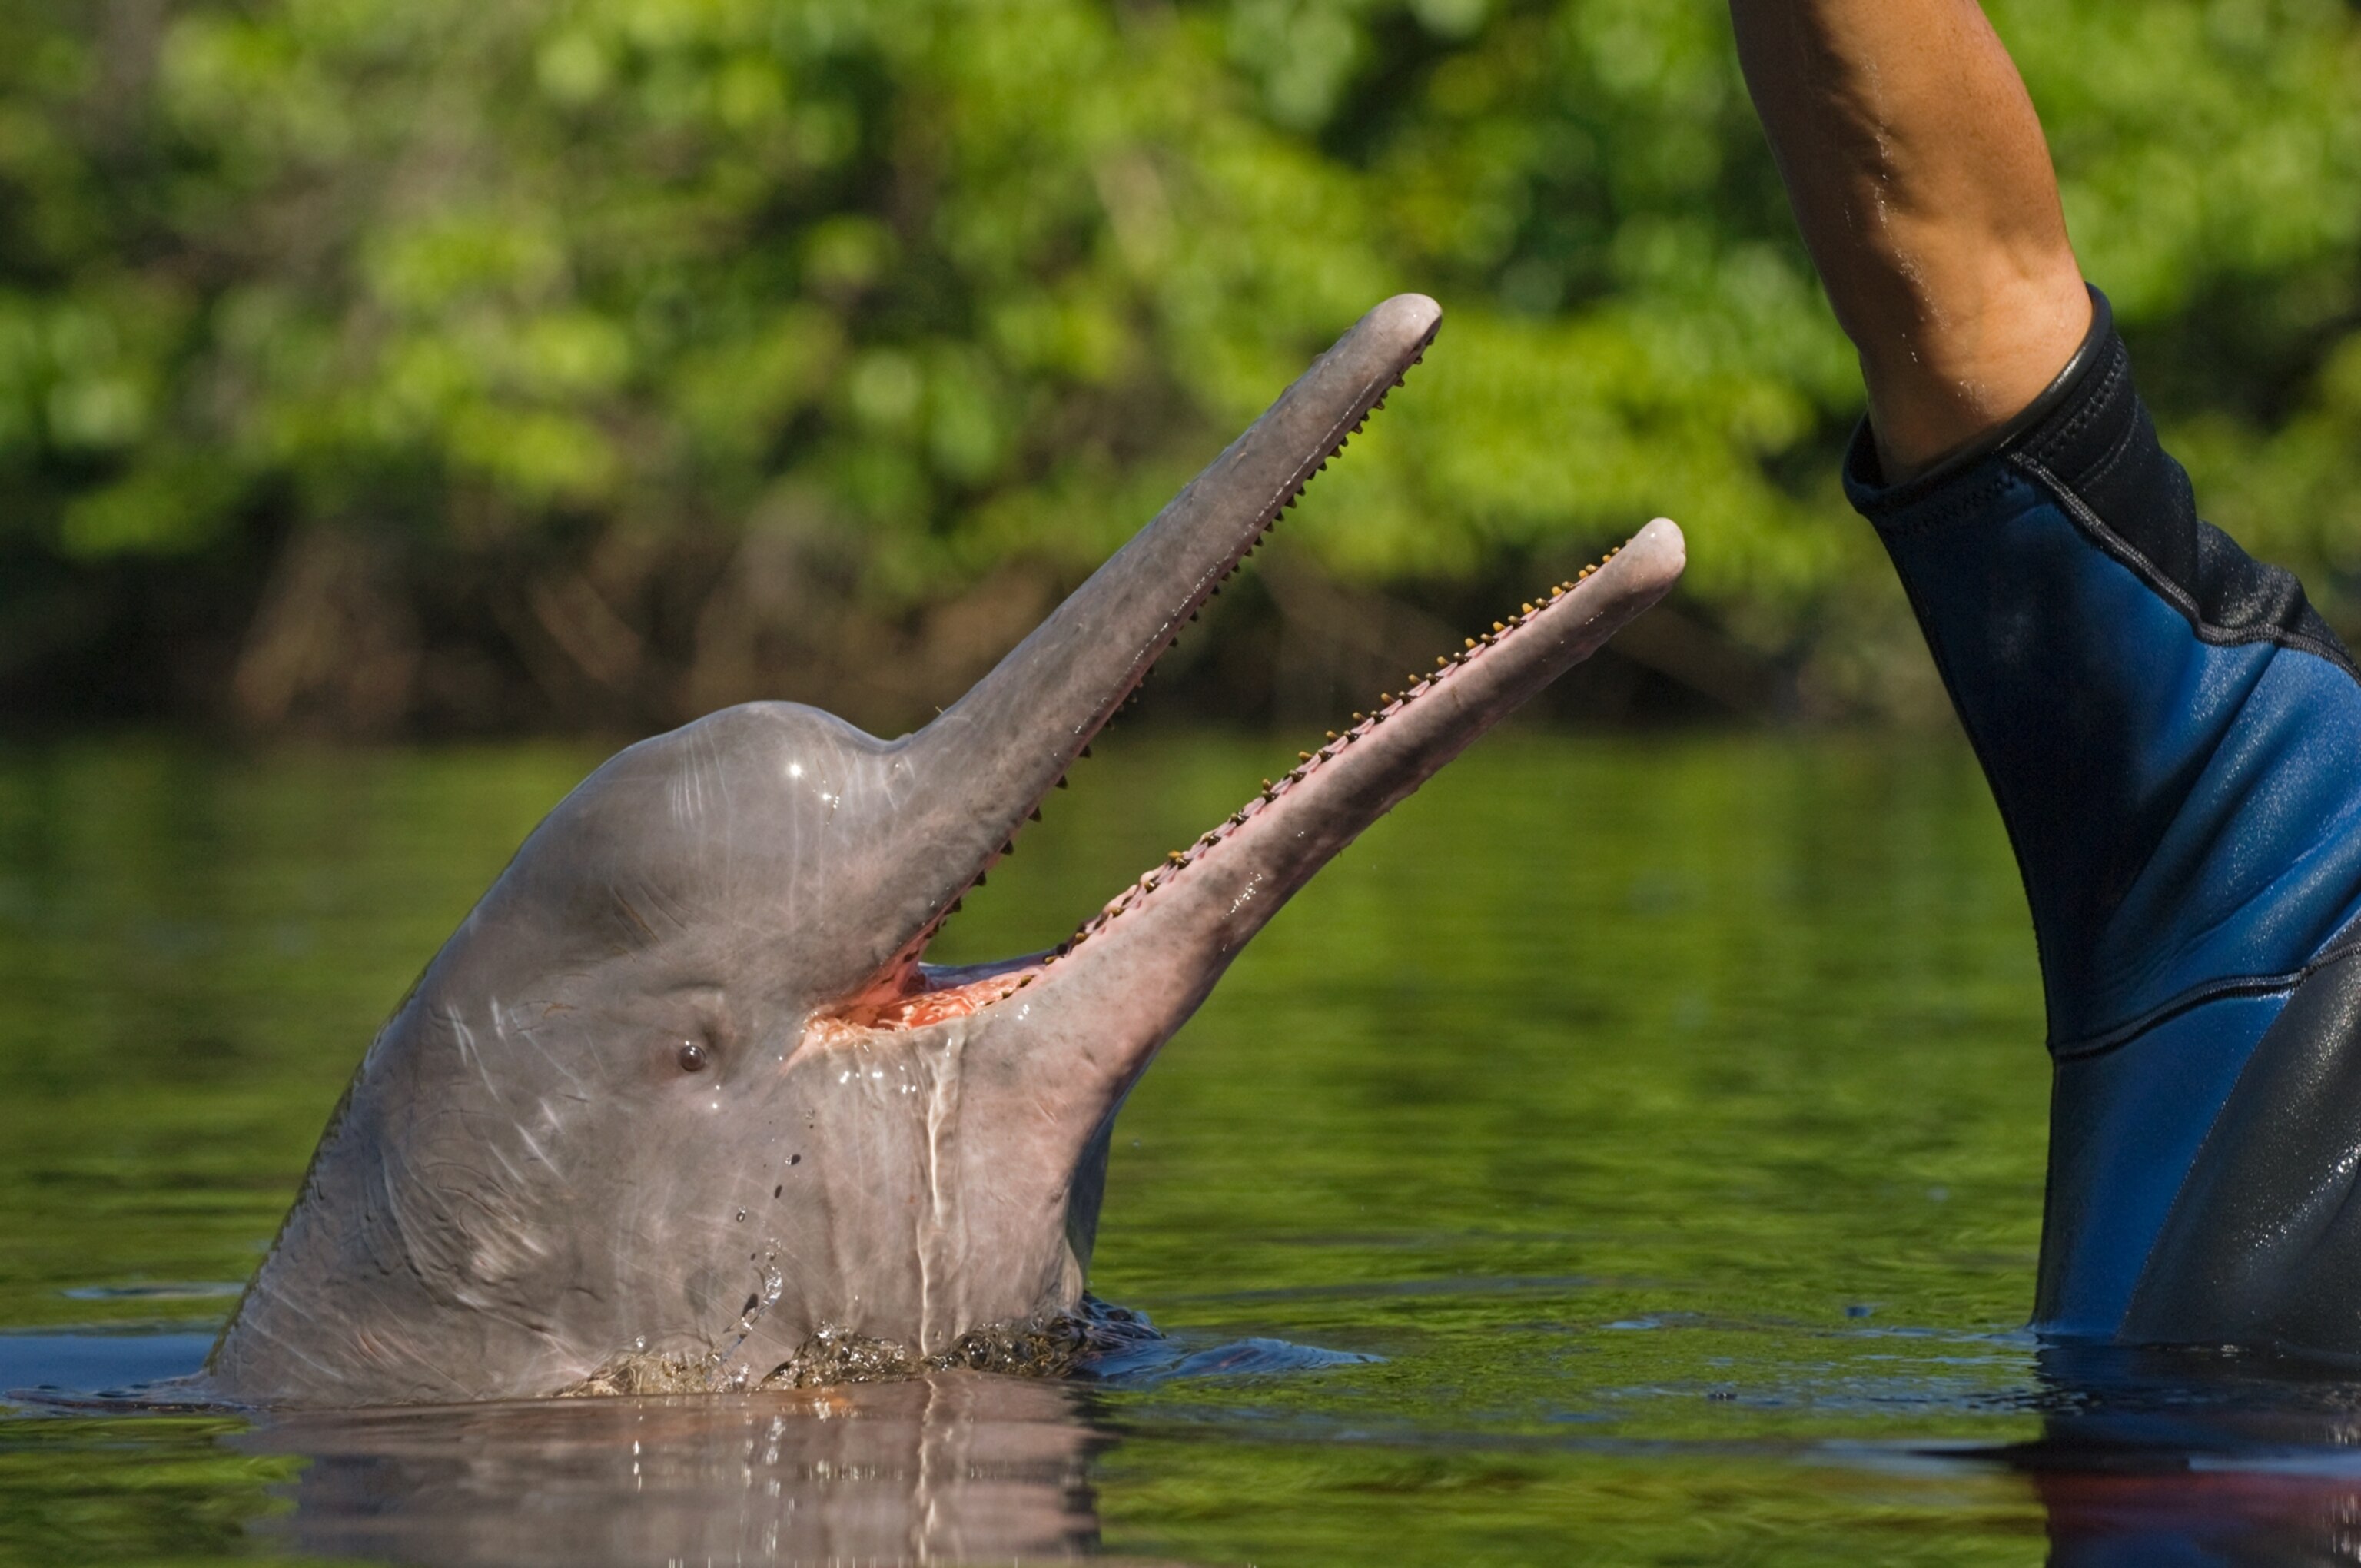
(1864,478)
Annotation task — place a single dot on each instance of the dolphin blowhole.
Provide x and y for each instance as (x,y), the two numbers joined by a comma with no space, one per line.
(680,1104)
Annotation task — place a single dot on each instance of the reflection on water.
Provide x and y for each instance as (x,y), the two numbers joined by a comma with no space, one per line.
(2169,1457)
(2142,1457)
(1651,1134)
(950,1469)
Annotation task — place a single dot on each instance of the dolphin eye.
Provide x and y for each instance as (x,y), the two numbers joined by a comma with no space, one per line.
(692,1057)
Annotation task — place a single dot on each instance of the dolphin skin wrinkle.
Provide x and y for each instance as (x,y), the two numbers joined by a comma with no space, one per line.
(680,1104)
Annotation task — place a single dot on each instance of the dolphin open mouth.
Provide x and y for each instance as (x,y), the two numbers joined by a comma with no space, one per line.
(918,993)
(1294,824)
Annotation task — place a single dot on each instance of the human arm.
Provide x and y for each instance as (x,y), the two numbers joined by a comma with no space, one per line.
(1919,174)
(2114,659)
(2171,732)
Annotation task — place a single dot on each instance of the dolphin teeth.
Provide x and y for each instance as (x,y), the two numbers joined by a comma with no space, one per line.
(955,907)
(1086,751)
(979,879)
(1497,627)
(1061,780)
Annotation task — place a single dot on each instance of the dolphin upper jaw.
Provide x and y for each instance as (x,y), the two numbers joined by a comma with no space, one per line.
(682,1085)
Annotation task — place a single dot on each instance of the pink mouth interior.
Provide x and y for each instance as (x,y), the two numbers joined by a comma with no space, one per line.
(916,995)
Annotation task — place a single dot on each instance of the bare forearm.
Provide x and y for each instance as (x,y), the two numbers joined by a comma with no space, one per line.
(1918,173)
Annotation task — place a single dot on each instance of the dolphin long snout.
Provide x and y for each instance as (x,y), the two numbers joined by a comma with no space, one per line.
(984,766)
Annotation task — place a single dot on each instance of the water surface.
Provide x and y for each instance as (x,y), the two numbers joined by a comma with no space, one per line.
(1651,1131)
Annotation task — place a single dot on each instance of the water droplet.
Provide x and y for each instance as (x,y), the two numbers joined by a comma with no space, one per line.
(741,1216)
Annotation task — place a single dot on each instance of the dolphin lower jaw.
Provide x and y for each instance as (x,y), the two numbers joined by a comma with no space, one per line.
(1227,885)
(1035,1053)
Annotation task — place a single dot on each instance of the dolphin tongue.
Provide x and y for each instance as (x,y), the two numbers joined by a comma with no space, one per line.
(981,768)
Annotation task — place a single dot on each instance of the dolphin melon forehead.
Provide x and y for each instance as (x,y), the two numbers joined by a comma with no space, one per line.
(770,826)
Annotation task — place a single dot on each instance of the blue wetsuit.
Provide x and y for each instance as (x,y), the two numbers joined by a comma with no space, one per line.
(2174,738)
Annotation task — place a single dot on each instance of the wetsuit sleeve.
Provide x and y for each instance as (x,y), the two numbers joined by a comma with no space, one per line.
(2172,733)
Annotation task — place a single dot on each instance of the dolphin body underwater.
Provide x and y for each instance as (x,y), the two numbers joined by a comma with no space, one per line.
(680,1105)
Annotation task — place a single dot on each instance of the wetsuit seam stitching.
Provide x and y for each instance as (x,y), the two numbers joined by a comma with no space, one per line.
(2125,554)
(2083,418)
(2121,550)
(2108,1041)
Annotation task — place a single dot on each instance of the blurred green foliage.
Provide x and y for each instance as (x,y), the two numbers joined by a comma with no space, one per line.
(958,285)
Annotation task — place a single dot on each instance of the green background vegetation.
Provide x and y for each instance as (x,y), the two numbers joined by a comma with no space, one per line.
(387,364)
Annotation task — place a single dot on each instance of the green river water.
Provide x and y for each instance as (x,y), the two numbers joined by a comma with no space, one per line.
(1658,1123)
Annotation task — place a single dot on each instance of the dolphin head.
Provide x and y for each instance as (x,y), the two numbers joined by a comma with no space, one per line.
(681,1092)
